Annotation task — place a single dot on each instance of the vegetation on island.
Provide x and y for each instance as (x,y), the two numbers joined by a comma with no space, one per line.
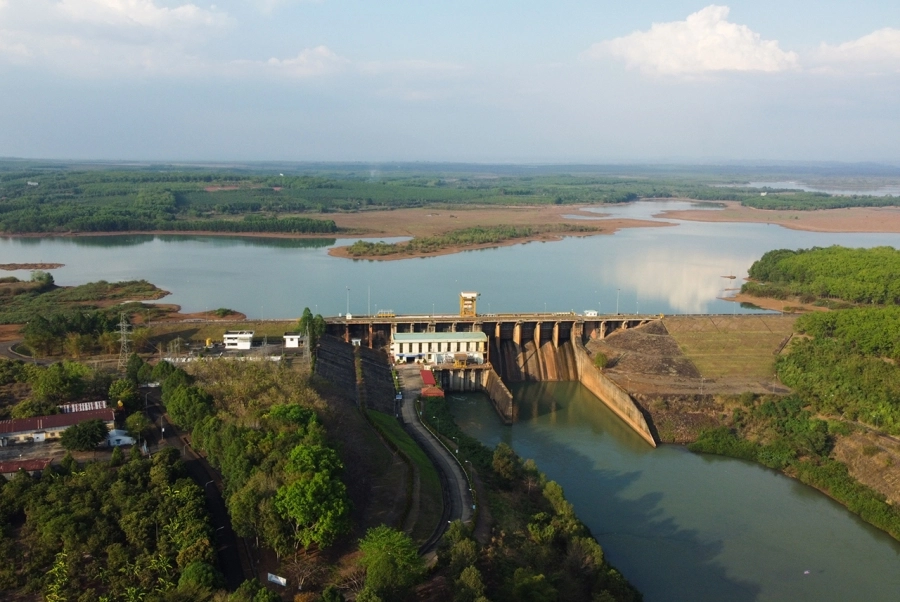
(842,369)
(466,237)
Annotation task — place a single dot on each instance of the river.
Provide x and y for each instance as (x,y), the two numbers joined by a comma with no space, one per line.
(680,526)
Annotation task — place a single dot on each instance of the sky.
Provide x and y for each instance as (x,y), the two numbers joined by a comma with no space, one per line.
(492,81)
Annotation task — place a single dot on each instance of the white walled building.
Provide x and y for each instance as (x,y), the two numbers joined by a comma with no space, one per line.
(238,339)
(294,340)
(439,347)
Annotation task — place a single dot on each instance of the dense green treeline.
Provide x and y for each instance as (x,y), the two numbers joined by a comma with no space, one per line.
(117,200)
(465,237)
(842,370)
(852,275)
(104,532)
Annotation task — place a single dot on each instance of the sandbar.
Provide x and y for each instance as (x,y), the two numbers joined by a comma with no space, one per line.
(850,219)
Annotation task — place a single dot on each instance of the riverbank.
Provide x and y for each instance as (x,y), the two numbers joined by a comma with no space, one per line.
(787,306)
(851,219)
(9,267)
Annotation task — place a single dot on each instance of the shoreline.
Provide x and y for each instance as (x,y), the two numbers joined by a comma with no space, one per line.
(785,306)
(876,220)
(619,224)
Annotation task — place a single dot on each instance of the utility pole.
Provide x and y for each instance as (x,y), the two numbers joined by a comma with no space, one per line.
(124,347)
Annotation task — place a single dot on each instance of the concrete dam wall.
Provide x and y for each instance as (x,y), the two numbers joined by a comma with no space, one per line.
(569,361)
(610,393)
(529,362)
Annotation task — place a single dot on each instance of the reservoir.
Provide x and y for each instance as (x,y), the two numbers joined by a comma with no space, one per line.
(680,526)
(676,269)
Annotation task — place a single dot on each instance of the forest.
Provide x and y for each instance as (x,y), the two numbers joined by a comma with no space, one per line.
(84,198)
(828,274)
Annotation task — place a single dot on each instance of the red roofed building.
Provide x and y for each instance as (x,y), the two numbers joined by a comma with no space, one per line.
(41,428)
(10,468)
(428,378)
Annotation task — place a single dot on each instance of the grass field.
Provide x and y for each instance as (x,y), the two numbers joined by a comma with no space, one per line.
(731,346)
(430,499)
(198,332)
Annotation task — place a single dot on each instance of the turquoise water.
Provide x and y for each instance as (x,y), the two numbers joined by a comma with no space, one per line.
(683,526)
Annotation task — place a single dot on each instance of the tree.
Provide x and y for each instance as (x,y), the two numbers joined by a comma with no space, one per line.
(85,436)
(202,574)
(332,594)
(506,463)
(134,365)
(317,507)
(108,341)
(600,360)
(140,337)
(137,425)
(124,390)
(188,405)
(391,560)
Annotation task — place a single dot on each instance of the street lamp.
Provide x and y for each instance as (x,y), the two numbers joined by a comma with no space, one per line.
(617,300)
(348,300)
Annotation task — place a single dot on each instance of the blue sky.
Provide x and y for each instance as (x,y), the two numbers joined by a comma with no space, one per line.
(562,81)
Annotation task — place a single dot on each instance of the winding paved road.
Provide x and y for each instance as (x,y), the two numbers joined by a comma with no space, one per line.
(458,504)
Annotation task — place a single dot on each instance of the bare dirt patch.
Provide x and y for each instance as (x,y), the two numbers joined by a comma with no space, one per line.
(431,221)
(851,219)
(30,266)
(873,460)
(693,355)
(787,306)
(10,332)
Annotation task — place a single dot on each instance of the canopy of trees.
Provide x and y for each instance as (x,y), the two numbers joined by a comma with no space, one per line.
(461,238)
(102,533)
(853,275)
(84,436)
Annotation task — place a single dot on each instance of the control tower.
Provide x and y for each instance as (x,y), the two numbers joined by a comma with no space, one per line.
(467,303)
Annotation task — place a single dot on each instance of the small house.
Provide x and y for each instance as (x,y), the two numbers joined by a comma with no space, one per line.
(10,468)
(294,340)
(44,428)
(238,340)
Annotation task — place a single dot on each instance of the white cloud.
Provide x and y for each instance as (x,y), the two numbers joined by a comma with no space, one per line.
(310,62)
(104,37)
(140,13)
(877,51)
(267,6)
(704,42)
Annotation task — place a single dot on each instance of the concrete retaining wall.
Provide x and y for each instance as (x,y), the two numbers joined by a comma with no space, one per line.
(336,363)
(377,382)
(500,396)
(481,379)
(610,393)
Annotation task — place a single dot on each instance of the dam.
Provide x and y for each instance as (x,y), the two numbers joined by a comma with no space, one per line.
(518,347)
